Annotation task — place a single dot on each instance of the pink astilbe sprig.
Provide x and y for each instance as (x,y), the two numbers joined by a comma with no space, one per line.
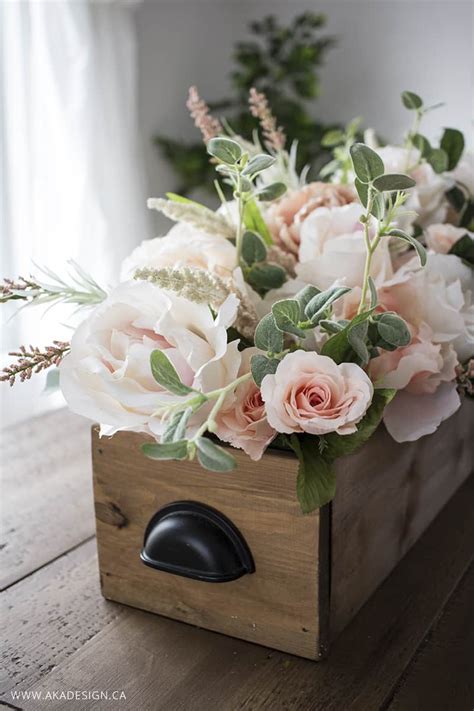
(33,360)
(209,126)
(20,289)
(273,135)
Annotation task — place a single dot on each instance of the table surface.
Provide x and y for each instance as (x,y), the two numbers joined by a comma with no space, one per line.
(410,647)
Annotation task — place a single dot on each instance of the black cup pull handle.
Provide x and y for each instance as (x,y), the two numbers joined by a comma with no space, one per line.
(194,540)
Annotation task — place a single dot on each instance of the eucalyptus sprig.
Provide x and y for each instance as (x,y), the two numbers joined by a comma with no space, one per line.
(340,141)
(442,158)
(241,171)
(175,444)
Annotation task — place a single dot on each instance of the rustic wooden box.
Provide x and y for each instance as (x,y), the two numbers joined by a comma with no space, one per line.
(313,572)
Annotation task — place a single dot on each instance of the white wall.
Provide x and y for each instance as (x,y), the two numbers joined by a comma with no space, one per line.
(384,47)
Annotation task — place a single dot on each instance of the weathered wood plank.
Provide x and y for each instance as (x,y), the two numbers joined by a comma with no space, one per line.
(46,482)
(442,674)
(162,664)
(388,494)
(48,616)
(277,606)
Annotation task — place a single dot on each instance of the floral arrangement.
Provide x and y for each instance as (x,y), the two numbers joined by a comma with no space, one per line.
(297,315)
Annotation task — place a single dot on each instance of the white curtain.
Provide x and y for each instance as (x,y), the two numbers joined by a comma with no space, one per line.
(72,181)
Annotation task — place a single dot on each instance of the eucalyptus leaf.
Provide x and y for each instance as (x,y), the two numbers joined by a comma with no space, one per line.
(411,100)
(287,315)
(420,250)
(378,206)
(318,305)
(261,366)
(392,182)
(253,248)
(166,450)
(393,329)
(166,375)
(357,336)
(271,192)
(373,293)
(438,159)
(260,162)
(331,326)
(452,143)
(267,336)
(224,149)
(305,295)
(362,191)
(213,457)
(266,276)
(368,165)
(422,144)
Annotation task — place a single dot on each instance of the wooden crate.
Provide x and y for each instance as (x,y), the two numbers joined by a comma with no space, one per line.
(313,572)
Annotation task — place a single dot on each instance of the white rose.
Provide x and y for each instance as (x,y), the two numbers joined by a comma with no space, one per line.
(183,246)
(107,376)
(333,250)
(440,238)
(464,171)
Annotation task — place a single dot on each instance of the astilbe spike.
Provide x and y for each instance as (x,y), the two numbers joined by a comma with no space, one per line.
(273,135)
(21,289)
(33,360)
(209,126)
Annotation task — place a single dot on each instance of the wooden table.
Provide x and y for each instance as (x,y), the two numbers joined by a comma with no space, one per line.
(411,646)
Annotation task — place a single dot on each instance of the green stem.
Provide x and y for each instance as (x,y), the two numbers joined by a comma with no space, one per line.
(238,239)
(221,395)
(370,249)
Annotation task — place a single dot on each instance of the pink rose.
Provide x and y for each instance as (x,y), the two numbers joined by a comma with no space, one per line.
(311,393)
(440,238)
(244,422)
(284,218)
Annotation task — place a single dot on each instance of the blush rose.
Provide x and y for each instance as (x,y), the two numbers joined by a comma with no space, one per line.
(311,393)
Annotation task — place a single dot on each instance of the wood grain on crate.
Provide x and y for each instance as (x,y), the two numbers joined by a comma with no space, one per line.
(278,607)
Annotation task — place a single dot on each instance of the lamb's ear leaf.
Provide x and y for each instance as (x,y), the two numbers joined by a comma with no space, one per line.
(316,482)
(166,450)
(213,457)
(166,375)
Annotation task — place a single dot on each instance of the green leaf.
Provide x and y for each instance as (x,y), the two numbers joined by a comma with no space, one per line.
(422,143)
(411,101)
(456,198)
(452,143)
(267,336)
(261,366)
(338,346)
(332,138)
(464,248)
(166,375)
(287,315)
(260,162)
(391,182)
(213,457)
(319,304)
(438,159)
(266,276)
(224,149)
(305,295)
(332,326)
(254,221)
(362,191)
(368,165)
(166,450)
(338,446)
(378,206)
(271,192)
(393,330)
(357,336)
(316,482)
(253,248)
(373,293)
(420,250)
(176,429)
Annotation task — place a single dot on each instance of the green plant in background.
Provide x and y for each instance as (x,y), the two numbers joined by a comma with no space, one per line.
(282,62)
